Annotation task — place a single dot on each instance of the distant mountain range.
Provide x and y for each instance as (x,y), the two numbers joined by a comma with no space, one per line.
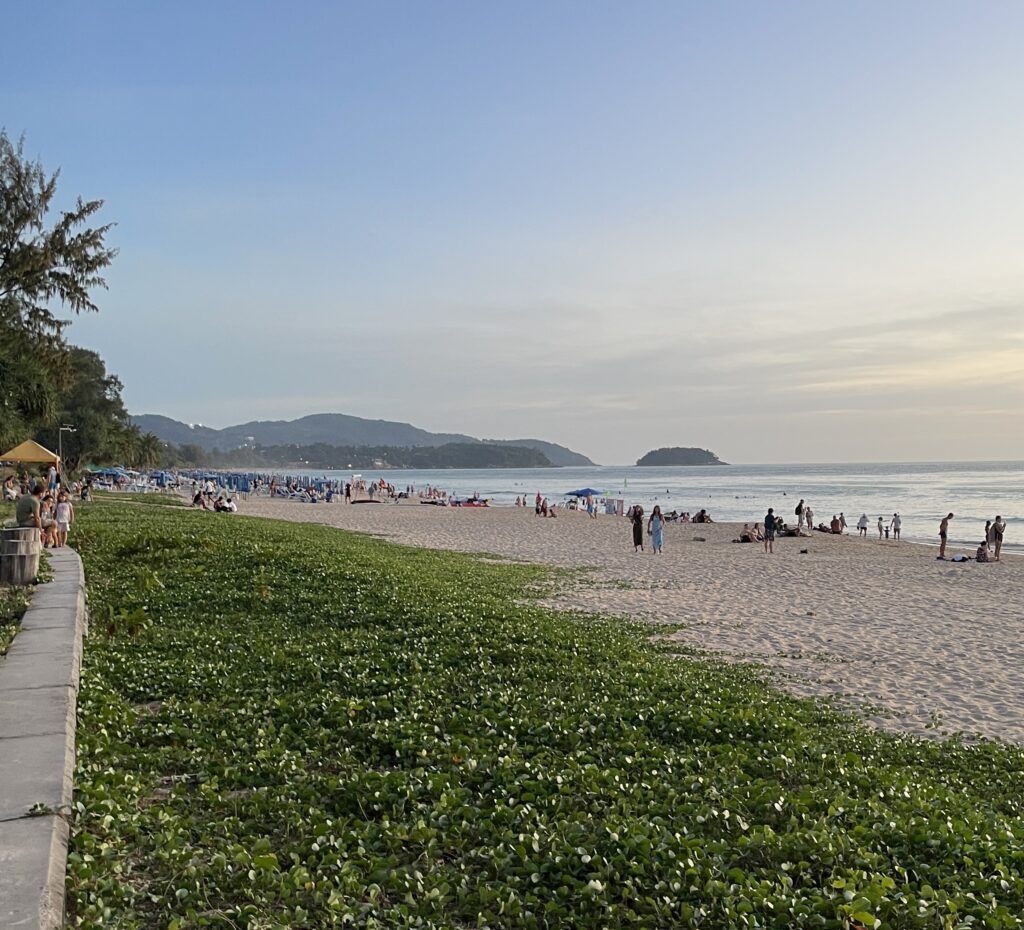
(335,429)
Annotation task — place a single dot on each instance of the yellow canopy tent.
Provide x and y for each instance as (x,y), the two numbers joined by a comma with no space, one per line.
(30,451)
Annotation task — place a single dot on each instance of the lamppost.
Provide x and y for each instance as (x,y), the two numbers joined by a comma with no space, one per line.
(60,442)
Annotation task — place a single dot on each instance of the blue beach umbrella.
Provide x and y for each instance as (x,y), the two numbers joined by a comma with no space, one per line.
(583,492)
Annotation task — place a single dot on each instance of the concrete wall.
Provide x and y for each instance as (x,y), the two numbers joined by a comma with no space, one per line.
(38,694)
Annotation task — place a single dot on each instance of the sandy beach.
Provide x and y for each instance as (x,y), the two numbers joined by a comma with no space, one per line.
(921,646)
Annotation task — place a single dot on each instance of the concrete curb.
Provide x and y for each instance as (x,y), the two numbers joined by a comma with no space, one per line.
(38,698)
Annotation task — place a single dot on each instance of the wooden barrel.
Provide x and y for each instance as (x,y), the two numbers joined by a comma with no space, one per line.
(19,555)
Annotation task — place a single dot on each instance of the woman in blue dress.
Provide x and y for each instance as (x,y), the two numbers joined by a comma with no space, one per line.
(655,527)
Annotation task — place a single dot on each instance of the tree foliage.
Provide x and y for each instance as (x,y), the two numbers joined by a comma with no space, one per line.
(50,259)
(92,404)
(43,262)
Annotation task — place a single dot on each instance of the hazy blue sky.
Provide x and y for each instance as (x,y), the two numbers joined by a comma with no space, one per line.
(784,231)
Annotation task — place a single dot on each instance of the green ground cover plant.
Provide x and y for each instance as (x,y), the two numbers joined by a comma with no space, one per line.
(13,604)
(288,726)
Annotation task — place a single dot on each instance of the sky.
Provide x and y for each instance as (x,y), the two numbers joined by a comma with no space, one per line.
(786,232)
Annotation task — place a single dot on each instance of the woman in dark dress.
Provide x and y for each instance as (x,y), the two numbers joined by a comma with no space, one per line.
(638,528)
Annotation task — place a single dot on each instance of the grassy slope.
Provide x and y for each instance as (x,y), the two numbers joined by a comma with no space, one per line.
(292,726)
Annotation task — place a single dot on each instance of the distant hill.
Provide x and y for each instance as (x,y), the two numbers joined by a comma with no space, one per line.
(448,455)
(680,455)
(556,454)
(333,429)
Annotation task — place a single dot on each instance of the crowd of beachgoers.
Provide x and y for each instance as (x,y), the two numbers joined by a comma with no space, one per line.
(45,502)
(645,529)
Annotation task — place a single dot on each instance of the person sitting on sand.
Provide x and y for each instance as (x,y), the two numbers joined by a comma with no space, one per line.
(746,535)
(836,526)
(982,555)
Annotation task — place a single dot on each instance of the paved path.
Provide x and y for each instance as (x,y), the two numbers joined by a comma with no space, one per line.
(38,691)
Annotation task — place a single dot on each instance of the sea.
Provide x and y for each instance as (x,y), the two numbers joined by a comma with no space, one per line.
(922,492)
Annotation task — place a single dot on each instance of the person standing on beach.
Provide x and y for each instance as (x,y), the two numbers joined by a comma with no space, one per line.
(895,525)
(944,534)
(65,516)
(769,531)
(842,522)
(881,528)
(799,512)
(808,517)
(637,520)
(862,526)
(998,528)
(656,526)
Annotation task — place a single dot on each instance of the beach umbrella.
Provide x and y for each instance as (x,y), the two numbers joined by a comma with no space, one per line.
(583,492)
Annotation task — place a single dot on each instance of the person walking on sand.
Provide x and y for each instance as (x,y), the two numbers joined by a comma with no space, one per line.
(944,534)
(656,526)
(895,525)
(862,526)
(998,528)
(637,519)
(769,531)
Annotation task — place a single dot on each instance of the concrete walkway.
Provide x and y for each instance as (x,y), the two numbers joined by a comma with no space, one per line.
(38,692)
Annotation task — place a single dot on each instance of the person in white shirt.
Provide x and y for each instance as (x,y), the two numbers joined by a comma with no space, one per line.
(895,525)
(862,525)
(231,506)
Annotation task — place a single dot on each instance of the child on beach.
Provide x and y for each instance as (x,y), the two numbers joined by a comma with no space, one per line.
(65,516)
(881,528)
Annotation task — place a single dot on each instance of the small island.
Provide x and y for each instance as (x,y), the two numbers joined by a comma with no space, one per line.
(680,455)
